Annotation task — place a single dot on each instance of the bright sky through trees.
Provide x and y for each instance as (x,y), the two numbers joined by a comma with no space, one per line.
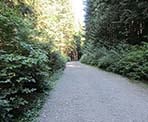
(78,10)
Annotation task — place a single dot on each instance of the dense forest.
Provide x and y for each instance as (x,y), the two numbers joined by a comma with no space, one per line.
(117,36)
(35,36)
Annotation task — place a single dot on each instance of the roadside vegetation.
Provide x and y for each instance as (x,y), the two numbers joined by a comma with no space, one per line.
(37,38)
(116,37)
(34,38)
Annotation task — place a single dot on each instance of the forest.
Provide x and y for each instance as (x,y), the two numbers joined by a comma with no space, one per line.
(116,36)
(38,37)
(35,37)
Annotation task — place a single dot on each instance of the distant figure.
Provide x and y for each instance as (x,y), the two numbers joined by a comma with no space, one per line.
(73,55)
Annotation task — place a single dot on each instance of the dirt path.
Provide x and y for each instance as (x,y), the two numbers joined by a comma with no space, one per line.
(86,94)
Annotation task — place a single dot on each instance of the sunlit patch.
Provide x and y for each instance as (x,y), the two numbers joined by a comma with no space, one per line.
(78,10)
(72,65)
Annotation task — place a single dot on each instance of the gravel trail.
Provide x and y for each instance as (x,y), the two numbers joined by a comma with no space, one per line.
(87,94)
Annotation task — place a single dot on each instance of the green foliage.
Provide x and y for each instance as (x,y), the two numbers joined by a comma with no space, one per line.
(111,22)
(133,64)
(57,61)
(108,59)
(27,57)
(115,32)
(130,62)
(78,43)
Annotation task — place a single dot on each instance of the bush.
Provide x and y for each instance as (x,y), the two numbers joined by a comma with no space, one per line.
(131,61)
(22,78)
(133,64)
(57,61)
(107,60)
(25,66)
(93,57)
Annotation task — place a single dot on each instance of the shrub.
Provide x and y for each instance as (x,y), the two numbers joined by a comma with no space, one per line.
(107,60)
(25,66)
(20,78)
(133,64)
(131,61)
(93,57)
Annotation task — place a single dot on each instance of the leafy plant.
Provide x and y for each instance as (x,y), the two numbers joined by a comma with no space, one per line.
(27,59)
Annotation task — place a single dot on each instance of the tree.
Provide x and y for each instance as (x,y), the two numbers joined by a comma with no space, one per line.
(29,55)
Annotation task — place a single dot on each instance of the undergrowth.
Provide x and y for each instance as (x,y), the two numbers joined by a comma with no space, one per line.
(32,115)
(131,61)
(26,64)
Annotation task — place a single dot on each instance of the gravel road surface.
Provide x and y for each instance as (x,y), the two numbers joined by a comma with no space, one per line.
(87,94)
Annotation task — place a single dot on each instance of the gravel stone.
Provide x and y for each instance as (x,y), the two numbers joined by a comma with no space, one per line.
(87,94)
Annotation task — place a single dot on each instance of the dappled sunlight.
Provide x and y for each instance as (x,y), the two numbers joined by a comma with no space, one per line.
(34,36)
(38,37)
